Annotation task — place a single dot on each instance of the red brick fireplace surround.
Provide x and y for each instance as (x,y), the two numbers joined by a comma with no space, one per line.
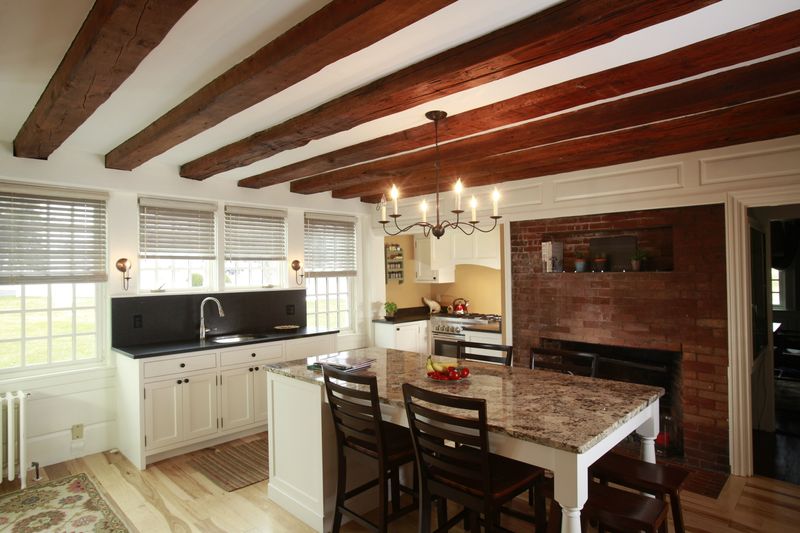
(678,303)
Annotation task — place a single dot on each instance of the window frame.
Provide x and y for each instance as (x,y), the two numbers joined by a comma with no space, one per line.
(781,292)
(283,275)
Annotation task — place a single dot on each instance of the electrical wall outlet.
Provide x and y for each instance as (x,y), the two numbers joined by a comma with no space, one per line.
(290,309)
(77,431)
(137,321)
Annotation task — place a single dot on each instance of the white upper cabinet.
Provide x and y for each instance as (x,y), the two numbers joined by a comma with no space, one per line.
(433,259)
(477,249)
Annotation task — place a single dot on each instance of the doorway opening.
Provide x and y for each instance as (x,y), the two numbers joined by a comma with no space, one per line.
(775,292)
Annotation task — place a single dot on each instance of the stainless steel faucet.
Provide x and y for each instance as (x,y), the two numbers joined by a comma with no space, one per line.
(203,329)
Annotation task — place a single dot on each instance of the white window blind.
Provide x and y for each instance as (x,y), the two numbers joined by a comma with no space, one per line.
(170,229)
(51,235)
(254,234)
(330,246)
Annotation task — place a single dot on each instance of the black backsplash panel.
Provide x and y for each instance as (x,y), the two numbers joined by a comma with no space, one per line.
(168,318)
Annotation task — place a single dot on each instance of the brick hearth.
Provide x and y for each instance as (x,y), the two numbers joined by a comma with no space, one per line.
(681,307)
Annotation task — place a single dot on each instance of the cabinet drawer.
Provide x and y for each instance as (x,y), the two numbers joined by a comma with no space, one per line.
(180,365)
(262,353)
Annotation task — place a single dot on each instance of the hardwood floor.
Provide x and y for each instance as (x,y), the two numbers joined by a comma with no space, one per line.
(173,496)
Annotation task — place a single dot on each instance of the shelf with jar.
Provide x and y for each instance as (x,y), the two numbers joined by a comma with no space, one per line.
(394,262)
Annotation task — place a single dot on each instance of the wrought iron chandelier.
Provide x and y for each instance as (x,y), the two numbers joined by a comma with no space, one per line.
(438,229)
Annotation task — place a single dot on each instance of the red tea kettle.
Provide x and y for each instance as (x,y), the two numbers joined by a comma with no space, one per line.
(460,306)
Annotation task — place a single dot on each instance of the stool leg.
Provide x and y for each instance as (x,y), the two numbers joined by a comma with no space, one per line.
(441,511)
(341,485)
(677,511)
(475,522)
(395,475)
(539,511)
(383,504)
(425,511)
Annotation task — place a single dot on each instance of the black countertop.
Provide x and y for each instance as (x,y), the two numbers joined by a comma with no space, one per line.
(401,319)
(142,351)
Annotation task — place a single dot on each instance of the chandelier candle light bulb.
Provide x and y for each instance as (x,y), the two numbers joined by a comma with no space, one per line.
(438,227)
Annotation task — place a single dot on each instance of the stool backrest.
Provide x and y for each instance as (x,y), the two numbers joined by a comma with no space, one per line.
(355,409)
(564,361)
(500,353)
(449,445)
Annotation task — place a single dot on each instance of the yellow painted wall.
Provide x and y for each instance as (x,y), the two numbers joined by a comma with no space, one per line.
(408,293)
(482,286)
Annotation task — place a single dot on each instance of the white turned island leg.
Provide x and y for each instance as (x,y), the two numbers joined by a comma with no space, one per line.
(648,432)
(571,479)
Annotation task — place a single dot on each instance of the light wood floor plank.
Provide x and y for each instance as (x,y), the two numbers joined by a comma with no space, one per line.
(172,496)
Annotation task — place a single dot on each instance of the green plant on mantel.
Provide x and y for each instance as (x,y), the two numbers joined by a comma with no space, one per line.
(639,255)
(390,308)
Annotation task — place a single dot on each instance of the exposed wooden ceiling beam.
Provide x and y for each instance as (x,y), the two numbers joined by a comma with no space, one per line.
(754,121)
(718,91)
(564,29)
(744,84)
(111,43)
(748,43)
(337,30)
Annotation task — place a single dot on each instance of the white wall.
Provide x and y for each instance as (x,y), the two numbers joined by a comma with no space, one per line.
(687,179)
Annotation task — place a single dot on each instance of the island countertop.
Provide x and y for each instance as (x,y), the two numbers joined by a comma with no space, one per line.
(566,412)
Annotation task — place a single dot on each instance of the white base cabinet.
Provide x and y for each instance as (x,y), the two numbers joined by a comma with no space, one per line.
(174,403)
(407,336)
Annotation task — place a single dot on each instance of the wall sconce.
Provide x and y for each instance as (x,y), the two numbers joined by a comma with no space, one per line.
(296,266)
(124,266)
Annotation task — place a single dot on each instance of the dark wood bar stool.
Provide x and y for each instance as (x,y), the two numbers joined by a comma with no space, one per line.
(614,509)
(502,353)
(657,479)
(454,461)
(565,361)
(359,426)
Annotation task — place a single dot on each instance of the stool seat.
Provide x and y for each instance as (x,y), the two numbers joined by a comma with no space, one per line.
(657,479)
(616,509)
(399,448)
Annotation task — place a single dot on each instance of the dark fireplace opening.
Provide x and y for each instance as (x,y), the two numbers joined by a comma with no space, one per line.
(661,368)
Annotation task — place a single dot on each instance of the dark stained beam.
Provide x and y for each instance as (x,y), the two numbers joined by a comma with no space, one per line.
(335,31)
(562,30)
(746,44)
(725,89)
(754,121)
(111,43)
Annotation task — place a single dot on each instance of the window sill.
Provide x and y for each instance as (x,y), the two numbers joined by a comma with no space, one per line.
(62,373)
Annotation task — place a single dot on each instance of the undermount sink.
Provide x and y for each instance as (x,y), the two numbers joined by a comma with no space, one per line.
(230,339)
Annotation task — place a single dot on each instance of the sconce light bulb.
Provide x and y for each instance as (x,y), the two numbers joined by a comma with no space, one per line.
(394,193)
(473,203)
(495,195)
(459,187)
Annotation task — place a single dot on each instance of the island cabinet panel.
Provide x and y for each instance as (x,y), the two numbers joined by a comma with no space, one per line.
(173,404)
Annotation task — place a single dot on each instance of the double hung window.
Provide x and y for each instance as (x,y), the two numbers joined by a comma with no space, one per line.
(177,245)
(255,247)
(53,261)
(330,270)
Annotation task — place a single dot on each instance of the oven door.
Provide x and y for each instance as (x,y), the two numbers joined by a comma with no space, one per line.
(446,345)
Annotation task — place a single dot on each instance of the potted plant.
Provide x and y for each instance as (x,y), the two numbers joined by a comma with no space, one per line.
(636,260)
(600,262)
(390,308)
(580,262)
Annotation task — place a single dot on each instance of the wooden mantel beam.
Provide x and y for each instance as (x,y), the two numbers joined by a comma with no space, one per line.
(335,31)
(758,40)
(733,87)
(562,30)
(115,37)
(754,121)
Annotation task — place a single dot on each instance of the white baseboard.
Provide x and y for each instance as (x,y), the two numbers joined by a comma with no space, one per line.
(58,446)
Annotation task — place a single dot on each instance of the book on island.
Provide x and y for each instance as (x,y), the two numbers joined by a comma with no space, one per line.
(347,364)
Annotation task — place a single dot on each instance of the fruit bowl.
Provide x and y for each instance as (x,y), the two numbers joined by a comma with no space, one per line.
(448,380)
(442,372)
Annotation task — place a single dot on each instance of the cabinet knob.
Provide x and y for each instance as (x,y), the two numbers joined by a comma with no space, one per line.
(183,365)
(397,329)
(186,380)
(250,369)
(179,382)
(252,354)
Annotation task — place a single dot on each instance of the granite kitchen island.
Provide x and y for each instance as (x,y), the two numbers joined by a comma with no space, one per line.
(559,422)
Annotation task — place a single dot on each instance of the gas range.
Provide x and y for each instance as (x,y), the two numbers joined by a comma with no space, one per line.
(452,325)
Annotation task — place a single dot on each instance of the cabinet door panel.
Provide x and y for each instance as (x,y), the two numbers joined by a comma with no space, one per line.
(163,413)
(407,337)
(199,406)
(260,396)
(237,398)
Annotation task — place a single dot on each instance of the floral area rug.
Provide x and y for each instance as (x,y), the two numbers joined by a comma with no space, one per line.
(71,504)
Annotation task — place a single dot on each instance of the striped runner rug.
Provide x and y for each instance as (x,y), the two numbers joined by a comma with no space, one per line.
(234,466)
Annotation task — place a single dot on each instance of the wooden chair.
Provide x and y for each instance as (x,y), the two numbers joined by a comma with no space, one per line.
(454,462)
(657,479)
(565,361)
(615,509)
(502,353)
(359,426)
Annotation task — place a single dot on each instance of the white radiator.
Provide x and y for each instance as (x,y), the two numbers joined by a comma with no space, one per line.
(12,431)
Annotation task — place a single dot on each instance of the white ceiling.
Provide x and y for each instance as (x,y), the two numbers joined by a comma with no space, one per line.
(215,35)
